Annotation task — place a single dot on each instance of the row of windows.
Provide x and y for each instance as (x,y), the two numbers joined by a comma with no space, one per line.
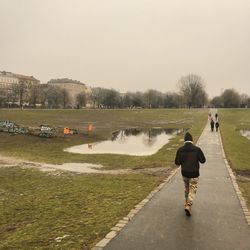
(8,80)
(3,85)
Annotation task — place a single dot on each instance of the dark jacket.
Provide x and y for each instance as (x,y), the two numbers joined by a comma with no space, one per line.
(189,156)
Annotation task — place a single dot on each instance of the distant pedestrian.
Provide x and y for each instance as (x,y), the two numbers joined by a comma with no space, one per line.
(189,156)
(212,124)
(209,116)
(216,117)
(217,125)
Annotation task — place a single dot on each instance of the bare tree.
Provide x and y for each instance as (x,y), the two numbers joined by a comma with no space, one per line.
(111,98)
(217,102)
(137,99)
(231,98)
(54,97)
(3,95)
(243,100)
(153,99)
(97,96)
(34,93)
(248,102)
(22,91)
(65,99)
(127,100)
(172,100)
(81,99)
(44,92)
(192,88)
(13,94)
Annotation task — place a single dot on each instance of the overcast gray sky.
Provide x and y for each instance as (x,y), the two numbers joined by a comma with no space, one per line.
(129,45)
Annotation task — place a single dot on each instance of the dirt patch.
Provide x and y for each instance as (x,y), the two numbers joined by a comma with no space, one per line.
(9,160)
(245,173)
(79,167)
(70,167)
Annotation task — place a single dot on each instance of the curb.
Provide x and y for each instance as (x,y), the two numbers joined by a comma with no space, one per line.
(242,200)
(122,223)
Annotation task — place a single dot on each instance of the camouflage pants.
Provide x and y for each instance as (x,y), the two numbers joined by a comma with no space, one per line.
(191,185)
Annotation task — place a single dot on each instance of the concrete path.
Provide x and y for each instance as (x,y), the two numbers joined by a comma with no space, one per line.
(217,220)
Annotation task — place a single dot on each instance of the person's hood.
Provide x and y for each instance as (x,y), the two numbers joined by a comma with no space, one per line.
(188,137)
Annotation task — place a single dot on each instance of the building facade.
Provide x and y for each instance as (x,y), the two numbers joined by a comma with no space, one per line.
(15,89)
(8,79)
(73,88)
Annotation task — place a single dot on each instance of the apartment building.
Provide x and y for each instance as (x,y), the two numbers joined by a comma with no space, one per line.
(8,79)
(74,88)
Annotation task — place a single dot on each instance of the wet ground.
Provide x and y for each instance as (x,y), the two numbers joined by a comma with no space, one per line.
(131,141)
(87,168)
(245,133)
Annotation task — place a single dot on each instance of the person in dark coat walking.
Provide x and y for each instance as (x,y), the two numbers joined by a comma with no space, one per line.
(216,122)
(212,124)
(217,125)
(189,156)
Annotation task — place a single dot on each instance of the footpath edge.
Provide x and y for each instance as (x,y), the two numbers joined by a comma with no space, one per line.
(122,223)
(233,178)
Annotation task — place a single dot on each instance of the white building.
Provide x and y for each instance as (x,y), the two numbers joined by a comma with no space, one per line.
(8,79)
(10,83)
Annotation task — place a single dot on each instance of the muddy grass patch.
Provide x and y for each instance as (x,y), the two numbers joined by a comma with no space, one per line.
(243,175)
(70,211)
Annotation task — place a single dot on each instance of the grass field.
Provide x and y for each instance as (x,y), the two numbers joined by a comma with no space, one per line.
(105,122)
(237,147)
(36,207)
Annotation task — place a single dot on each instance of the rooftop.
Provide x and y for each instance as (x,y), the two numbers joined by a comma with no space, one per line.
(19,76)
(65,80)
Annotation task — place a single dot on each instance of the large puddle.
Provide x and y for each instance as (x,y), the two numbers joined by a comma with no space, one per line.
(245,133)
(129,142)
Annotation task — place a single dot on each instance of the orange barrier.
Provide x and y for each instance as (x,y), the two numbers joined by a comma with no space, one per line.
(90,127)
(66,131)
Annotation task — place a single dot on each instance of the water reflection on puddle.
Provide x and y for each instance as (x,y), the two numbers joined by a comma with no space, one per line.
(129,142)
(245,133)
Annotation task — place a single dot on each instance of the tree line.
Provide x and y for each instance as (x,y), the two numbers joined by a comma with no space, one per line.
(230,98)
(191,94)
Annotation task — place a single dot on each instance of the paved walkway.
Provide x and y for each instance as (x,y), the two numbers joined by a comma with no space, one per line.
(217,220)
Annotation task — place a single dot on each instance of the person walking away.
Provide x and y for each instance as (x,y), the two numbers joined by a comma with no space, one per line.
(217,125)
(189,157)
(209,117)
(216,116)
(212,124)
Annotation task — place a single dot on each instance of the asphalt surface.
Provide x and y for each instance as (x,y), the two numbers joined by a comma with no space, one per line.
(217,220)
